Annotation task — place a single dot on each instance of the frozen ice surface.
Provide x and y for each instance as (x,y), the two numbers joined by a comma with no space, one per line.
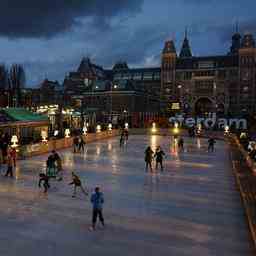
(192,208)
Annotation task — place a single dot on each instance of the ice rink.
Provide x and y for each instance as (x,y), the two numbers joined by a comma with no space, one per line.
(192,208)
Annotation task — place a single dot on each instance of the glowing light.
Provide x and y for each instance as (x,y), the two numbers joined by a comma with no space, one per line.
(153,142)
(67,133)
(126,126)
(226,129)
(14,141)
(110,127)
(176,129)
(56,133)
(154,128)
(98,128)
(84,130)
(199,129)
(44,135)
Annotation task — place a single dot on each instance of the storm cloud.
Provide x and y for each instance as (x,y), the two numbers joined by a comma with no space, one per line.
(50,37)
(46,18)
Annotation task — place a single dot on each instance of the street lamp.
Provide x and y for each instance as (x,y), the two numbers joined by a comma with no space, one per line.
(176,128)
(44,135)
(110,127)
(226,130)
(67,133)
(14,141)
(154,128)
(98,128)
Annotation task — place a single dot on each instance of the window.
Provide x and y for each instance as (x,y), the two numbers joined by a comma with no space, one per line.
(137,76)
(147,76)
(157,76)
(204,87)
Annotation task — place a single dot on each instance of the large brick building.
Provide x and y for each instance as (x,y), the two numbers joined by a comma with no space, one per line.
(198,85)
(222,84)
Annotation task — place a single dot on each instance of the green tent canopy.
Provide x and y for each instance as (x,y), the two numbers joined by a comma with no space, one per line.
(21,114)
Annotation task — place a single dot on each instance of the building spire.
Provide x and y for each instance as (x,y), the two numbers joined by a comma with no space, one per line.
(185,49)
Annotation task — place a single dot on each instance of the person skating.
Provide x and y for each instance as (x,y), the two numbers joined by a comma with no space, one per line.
(126,135)
(58,164)
(81,144)
(211,143)
(181,144)
(13,154)
(97,200)
(159,155)
(75,144)
(9,165)
(50,166)
(122,138)
(149,157)
(45,179)
(77,183)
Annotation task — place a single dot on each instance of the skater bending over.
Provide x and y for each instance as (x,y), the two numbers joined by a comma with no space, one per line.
(77,183)
(45,179)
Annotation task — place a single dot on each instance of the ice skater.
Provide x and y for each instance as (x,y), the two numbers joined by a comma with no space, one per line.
(10,166)
(122,139)
(181,144)
(58,164)
(159,155)
(211,144)
(97,200)
(77,183)
(81,144)
(148,158)
(75,144)
(45,179)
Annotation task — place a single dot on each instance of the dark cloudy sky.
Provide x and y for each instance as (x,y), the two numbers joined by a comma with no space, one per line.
(50,36)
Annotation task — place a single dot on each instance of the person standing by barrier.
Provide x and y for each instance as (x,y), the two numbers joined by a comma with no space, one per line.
(9,166)
(13,154)
(97,200)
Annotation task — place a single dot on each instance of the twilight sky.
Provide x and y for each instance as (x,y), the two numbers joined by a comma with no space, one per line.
(49,37)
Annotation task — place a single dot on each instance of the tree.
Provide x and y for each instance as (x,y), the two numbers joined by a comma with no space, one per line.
(16,83)
(3,77)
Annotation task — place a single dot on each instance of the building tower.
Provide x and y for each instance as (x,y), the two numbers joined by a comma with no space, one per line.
(168,66)
(247,88)
(236,42)
(185,49)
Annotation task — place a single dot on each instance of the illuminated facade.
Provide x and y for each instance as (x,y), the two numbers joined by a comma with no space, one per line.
(198,85)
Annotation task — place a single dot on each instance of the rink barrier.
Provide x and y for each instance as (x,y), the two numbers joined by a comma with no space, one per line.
(169,132)
(46,147)
(244,172)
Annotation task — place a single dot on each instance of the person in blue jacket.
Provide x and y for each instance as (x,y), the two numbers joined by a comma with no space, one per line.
(97,200)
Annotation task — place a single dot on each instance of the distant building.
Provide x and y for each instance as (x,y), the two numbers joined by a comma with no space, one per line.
(222,84)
